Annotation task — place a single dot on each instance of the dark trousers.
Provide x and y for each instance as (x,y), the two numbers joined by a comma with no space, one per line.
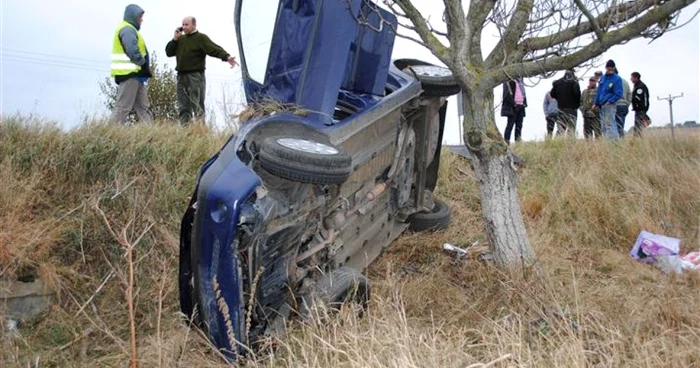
(620,116)
(551,121)
(567,121)
(515,120)
(591,127)
(640,119)
(191,88)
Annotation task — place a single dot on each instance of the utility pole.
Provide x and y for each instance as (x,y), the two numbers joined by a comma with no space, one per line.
(670,109)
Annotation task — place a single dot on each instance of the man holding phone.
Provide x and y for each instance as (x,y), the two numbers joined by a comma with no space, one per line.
(190,48)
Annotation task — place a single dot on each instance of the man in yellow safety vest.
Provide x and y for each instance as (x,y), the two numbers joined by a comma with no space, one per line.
(131,67)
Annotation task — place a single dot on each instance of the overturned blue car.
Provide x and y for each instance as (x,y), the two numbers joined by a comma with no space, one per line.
(308,193)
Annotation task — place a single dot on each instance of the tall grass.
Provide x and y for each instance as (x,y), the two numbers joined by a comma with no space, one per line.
(584,204)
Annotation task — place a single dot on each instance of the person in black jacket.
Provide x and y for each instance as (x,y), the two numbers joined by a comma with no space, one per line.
(513,107)
(640,104)
(567,92)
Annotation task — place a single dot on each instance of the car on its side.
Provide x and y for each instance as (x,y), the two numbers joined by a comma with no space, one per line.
(300,200)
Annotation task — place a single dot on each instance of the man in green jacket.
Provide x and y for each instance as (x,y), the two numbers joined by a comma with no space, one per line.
(190,49)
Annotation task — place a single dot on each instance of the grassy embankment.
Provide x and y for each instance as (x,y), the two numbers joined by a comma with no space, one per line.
(584,204)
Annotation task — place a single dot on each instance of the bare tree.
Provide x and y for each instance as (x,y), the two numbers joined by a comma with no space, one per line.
(535,38)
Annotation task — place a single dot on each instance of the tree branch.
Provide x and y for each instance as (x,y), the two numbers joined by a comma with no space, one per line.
(429,39)
(478,12)
(592,50)
(543,56)
(675,27)
(612,16)
(439,33)
(514,31)
(517,24)
(543,17)
(591,18)
(457,33)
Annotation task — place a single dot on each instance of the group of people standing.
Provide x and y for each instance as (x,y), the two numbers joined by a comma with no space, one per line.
(131,67)
(604,105)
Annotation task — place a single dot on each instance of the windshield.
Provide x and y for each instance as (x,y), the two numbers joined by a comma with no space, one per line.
(257,23)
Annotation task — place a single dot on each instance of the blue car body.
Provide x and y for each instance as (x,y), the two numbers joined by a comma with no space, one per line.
(339,70)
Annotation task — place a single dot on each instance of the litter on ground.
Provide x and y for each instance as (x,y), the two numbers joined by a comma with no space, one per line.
(664,252)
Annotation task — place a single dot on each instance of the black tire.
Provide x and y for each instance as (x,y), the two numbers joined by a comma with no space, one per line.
(437,219)
(339,287)
(437,81)
(330,167)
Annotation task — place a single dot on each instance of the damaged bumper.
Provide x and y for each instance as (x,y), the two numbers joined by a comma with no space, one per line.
(209,254)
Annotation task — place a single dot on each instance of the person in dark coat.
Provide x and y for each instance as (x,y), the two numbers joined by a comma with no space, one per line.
(513,107)
(640,104)
(567,92)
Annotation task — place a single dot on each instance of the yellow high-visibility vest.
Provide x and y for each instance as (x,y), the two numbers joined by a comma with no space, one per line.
(121,64)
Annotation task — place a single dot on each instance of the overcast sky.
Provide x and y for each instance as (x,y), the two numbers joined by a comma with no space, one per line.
(52,57)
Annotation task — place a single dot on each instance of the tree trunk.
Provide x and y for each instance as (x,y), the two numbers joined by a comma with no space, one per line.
(501,210)
(497,176)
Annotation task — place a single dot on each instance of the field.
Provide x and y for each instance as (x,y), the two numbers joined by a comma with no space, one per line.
(584,204)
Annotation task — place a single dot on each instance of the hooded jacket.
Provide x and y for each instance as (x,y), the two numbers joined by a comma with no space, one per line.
(609,90)
(567,92)
(129,40)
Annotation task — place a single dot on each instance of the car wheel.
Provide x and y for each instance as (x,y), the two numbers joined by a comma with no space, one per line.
(437,81)
(437,219)
(304,160)
(337,288)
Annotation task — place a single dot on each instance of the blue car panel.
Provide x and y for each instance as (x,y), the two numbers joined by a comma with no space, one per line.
(370,52)
(321,59)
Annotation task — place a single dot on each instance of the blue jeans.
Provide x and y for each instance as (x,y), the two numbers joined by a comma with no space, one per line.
(620,116)
(607,121)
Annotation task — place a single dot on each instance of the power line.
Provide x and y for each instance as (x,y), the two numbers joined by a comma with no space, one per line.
(44,59)
(54,64)
(47,63)
(38,58)
(32,54)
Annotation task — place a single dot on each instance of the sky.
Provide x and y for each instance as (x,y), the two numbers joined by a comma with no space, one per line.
(52,61)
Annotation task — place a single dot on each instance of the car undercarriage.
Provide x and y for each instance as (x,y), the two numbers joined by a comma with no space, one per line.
(295,206)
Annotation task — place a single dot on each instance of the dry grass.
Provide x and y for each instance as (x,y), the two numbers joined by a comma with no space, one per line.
(584,203)
(268,107)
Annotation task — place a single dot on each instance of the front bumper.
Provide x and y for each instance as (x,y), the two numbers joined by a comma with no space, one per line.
(209,255)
